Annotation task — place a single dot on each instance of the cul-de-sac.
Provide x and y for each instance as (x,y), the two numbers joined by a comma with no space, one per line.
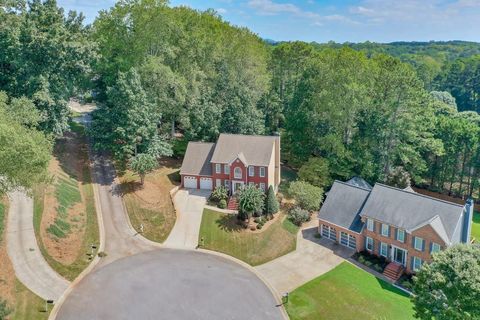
(239,160)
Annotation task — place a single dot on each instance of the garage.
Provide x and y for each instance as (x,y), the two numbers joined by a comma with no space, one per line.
(190,182)
(348,240)
(206,183)
(329,232)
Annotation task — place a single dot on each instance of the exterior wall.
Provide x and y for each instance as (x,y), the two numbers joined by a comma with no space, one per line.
(257,179)
(245,178)
(360,240)
(278,177)
(222,176)
(270,171)
(426,232)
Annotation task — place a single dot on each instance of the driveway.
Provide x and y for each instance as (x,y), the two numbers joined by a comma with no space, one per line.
(312,258)
(27,260)
(189,206)
(171,284)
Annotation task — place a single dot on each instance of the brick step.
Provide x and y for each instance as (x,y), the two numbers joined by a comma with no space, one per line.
(232,204)
(393,271)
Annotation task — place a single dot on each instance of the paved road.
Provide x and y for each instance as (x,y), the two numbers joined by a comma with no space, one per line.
(29,265)
(171,284)
(312,258)
(189,207)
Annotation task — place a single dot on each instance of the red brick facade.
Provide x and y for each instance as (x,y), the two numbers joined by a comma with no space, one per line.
(245,178)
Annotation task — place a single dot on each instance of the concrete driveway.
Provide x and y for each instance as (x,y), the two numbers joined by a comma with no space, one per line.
(171,284)
(312,258)
(189,206)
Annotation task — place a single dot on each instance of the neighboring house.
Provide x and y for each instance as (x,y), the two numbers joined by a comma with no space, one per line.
(234,161)
(403,226)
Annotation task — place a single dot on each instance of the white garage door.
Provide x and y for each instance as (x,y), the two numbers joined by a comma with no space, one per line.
(206,183)
(329,232)
(190,182)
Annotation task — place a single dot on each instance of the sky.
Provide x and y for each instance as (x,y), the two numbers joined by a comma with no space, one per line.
(339,21)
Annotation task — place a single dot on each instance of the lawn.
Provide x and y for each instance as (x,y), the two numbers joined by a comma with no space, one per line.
(476,226)
(348,292)
(221,233)
(28,305)
(151,205)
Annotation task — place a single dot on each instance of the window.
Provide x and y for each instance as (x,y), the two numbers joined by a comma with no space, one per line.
(218,182)
(226,169)
(418,243)
(218,168)
(262,186)
(385,230)
(344,238)
(417,263)
(435,247)
(383,249)
(251,171)
(329,232)
(401,235)
(227,184)
(370,225)
(237,173)
(262,172)
(369,244)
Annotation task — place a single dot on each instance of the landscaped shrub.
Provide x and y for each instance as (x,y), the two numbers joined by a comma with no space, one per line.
(259,226)
(4,309)
(298,216)
(220,193)
(306,196)
(271,204)
(222,204)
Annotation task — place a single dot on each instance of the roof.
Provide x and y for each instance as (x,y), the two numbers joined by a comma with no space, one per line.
(343,204)
(197,159)
(359,182)
(257,150)
(411,211)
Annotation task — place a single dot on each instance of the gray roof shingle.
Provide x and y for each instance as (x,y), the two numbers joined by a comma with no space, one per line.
(197,159)
(343,204)
(257,150)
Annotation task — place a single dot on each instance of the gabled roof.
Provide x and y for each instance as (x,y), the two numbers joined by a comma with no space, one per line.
(411,211)
(257,150)
(359,182)
(343,204)
(197,159)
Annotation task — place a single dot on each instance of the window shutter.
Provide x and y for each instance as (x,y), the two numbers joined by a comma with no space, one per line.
(395,236)
(411,263)
(389,230)
(423,245)
(413,241)
(431,247)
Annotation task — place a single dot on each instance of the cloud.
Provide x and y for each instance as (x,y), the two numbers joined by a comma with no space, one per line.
(221,10)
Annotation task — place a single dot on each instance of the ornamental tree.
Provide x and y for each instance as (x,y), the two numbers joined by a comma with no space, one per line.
(271,205)
(449,286)
(306,196)
(250,201)
(142,164)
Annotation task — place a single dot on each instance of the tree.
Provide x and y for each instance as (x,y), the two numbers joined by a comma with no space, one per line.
(219,193)
(142,164)
(271,204)
(298,216)
(449,286)
(159,147)
(316,172)
(306,196)
(250,201)
(4,310)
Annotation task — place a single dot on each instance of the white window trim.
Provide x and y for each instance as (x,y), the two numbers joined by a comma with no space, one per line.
(218,168)
(235,173)
(415,259)
(401,231)
(368,239)
(384,245)
(227,184)
(387,229)
(262,172)
(262,186)
(370,224)
(415,243)
(226,169)
(437,245)
(251,171)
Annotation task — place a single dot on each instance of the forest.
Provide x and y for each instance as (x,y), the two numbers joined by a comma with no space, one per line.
(399,113)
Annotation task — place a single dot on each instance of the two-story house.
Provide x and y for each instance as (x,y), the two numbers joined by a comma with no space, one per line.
(401,225)
(233,161)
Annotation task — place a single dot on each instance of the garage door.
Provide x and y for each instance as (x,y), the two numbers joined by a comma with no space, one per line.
(206,183)
(190,182)
(329,232)
(348,240)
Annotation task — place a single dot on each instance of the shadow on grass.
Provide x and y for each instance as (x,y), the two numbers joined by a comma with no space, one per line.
(229,223)
(128,187)
(389,287)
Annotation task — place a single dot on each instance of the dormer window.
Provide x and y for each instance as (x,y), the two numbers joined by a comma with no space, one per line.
(237,173)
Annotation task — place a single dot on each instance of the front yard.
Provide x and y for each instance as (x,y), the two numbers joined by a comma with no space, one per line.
(151,205)
(348,292)
(221,233)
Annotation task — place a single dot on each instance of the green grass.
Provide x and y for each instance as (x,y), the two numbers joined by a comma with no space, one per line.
(221,233)
(290,226)
(476,226)
(28,305)
(348,292)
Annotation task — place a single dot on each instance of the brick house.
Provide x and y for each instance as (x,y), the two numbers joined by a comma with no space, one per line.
(401,225)
(233,161)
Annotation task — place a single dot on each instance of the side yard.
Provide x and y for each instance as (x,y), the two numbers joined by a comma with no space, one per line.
(65,219)
(222,233)
(348,292)
(151,205)
(476,226)
(25,305)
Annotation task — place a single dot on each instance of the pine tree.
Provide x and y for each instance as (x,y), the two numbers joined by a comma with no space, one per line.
(272,204)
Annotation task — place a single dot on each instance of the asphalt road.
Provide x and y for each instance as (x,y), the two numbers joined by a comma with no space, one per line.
(171,284)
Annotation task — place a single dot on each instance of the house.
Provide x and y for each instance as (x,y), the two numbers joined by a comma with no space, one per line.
(233,161)
(403,226)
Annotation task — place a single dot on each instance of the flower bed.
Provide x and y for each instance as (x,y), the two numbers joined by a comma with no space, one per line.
(370,260)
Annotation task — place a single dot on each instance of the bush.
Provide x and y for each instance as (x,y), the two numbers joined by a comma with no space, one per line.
(271,204)
(368,263)
(316,172)
(102,254)
(298,216)
(259,226)
(4,309)
(220,193)
(306,196)
(378,268)
(222,204)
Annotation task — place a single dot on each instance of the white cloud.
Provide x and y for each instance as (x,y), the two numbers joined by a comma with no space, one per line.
(221,10)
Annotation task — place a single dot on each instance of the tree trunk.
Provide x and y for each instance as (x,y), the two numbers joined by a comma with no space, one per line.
(462,173)
(142,179)
(173,128)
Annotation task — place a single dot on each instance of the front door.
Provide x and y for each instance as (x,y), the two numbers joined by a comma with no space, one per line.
(399,255)
(236,185)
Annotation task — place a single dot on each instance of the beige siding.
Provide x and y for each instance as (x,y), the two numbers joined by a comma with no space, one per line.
(271,169)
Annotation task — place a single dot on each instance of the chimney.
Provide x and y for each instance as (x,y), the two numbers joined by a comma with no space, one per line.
(467,222)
